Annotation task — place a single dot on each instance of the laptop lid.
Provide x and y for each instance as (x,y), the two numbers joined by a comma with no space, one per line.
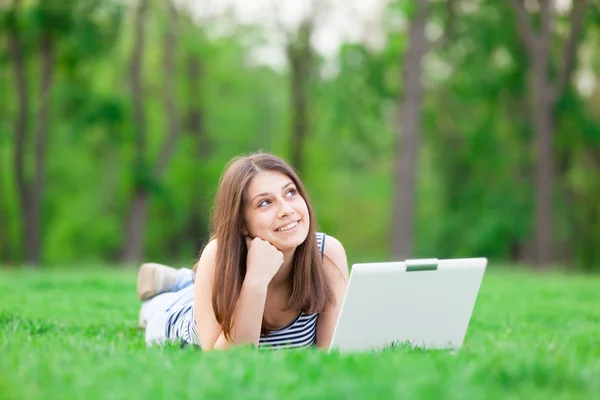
(427,303)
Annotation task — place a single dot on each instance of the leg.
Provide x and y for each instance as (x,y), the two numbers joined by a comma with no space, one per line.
(154,313)
(154,279)
(185,278)
(156,304)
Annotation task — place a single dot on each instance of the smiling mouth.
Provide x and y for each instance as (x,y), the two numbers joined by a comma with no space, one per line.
(287,227)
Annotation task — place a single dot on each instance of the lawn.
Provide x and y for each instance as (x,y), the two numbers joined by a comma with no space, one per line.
(68,335)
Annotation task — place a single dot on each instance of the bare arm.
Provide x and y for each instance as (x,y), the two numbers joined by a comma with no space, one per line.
(247,318)
(263,262)
(336,267)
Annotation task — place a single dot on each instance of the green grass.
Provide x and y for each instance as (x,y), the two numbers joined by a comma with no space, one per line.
(69,335)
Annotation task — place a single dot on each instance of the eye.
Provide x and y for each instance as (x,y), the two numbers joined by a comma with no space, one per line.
(292,191)
(263,203)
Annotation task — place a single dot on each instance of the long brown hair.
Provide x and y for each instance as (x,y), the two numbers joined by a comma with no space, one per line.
(311,291)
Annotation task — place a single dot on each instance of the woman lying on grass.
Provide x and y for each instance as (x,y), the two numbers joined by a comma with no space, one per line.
(266,278)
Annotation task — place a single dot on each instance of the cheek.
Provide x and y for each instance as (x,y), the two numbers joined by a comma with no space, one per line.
(260,221)
(302,207)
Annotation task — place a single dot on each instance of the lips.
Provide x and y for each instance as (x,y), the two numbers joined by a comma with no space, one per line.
(287,226)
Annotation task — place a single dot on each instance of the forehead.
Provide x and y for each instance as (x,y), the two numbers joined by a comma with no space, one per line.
(267,181)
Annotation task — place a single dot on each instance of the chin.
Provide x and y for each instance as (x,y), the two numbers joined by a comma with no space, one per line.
(292,242)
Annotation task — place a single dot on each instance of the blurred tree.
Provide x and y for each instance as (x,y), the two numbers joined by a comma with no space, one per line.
(136,216)
(5,245)
(300,59)
(546,88)
(195,78)
(474,169)
(300,55)
(51,20)
(148,174)
(407,145)
(409,127)
(478,140)
(52,38)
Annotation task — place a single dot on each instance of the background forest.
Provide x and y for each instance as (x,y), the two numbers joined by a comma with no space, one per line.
(455,128)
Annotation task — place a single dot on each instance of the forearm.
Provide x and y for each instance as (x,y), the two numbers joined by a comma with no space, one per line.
(247,318)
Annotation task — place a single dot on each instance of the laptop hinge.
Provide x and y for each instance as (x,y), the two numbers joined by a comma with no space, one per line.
(424,264)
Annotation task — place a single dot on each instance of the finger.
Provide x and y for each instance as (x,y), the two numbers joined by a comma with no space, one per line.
(275,247)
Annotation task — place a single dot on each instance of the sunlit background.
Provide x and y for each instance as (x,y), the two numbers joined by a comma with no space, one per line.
(421,128)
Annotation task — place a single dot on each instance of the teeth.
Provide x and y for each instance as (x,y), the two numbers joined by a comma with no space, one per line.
(288,227)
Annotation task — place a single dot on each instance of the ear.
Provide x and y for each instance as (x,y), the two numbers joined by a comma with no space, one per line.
(244,231)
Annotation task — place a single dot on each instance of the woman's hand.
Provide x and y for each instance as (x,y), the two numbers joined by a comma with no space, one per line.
(263,261)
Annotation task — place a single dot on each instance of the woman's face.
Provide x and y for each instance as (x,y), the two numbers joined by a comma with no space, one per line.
(275,211)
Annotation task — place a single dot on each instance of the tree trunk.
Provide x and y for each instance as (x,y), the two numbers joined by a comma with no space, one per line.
(299,55)
(5,248)
(590,256)
(171,111)
(30,192)
(15,48)
(135,225)
(197,224)
(195,118)
(544,94)
(136,215)
(407,146)
(543,123)
(170,107)
(33,223)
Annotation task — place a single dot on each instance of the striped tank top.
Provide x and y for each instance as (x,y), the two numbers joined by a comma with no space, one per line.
(300,333)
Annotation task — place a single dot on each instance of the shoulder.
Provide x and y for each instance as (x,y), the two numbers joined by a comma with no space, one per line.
(335,256)
(208,256)
(211,247)
(333,247)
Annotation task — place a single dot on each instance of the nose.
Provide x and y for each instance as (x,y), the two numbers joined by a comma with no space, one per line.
(285,209)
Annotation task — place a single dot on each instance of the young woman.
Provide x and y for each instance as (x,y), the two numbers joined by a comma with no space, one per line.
(266,278)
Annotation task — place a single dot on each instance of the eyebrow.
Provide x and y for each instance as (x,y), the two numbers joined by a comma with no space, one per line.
(264,194)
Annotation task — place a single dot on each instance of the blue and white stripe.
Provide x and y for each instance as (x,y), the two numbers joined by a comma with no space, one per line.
(300,333)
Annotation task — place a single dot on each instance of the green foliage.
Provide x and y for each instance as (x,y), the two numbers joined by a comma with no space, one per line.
(64,334)
(476,166)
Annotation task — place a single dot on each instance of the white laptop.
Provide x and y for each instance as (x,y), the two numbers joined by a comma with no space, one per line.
(423,303)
